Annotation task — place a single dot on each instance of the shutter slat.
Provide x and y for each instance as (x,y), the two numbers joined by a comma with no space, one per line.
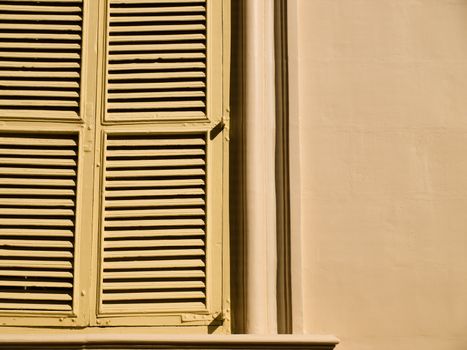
(37,64)
(134,276)
(154,222)
(37,161)
(152,163)
(35,171)
(153,253)
(158,172)
(34,232)
(154,94)
(155,47)
(159,18)
(27,202)
(23,211)
(36,253)
(163,192)
(154,105)
(37,141)
(160,116)
(157,28)
(37,222)
(155,183)
(43,284)
(35,296)
(28,306)
(36,191)
(44,84)
(176,141)
(26,8)
(35,152)
(154,202)
(34,243)
(153,296)
(28,113)
(147,10)
(154,285)
(160,37)
(38,74)
(44,264)
(153,213)
(38,182)
(154,243)
(36,274)
(145,264)
(41,26)
(65,17)
(151,233)
(146,85)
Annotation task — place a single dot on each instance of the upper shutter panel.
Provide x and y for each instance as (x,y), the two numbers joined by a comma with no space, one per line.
(40,58)
(156,67)
(154,223)
(38,175)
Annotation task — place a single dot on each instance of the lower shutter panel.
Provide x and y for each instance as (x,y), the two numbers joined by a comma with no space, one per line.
(154,223)
(38,175)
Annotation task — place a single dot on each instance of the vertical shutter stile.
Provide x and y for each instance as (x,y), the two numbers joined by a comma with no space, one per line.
(40,53)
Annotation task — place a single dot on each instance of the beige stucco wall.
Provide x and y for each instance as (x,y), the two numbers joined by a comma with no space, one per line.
(379,116)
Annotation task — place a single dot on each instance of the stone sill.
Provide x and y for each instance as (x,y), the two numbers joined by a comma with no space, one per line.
(146,341)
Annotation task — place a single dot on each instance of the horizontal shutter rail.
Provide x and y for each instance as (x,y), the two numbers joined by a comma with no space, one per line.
(154,49)
(154,220)
(40,46)
(38,177)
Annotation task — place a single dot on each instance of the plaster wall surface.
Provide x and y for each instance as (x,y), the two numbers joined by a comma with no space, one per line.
(379,116)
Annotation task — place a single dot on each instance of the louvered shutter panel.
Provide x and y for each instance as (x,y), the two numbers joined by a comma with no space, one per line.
(38,175)
(156,60)
(154,222)
(40,58)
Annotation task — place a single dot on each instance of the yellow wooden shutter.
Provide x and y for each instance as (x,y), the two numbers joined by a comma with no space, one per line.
(163,227)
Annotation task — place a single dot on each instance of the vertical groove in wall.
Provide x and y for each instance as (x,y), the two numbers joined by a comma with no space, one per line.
(284,302)
(237,177)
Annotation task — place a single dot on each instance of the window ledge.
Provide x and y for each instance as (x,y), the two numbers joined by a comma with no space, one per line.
(147,341)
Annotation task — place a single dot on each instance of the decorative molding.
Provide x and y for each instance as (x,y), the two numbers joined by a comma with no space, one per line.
(261,237)
(145,341)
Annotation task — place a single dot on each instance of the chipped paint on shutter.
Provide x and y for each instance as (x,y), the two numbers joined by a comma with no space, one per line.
(156,66)
(40,58)
(38,176)
(154,223)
